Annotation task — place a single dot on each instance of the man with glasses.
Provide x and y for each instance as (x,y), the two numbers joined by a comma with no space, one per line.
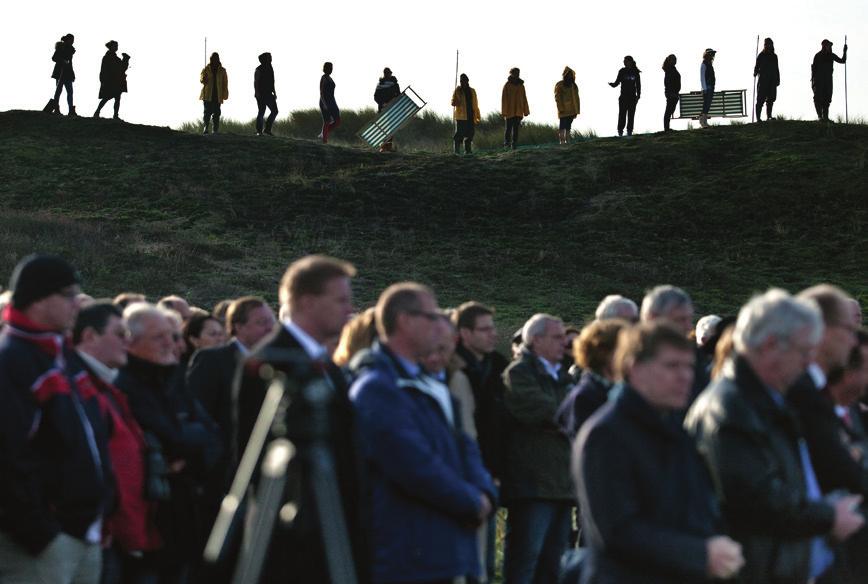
(56,483)
(428,489)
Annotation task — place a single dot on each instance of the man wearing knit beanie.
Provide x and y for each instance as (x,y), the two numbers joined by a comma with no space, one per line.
(56,482)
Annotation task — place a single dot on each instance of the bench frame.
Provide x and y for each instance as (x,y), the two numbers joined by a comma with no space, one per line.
(724,104)
(395,116)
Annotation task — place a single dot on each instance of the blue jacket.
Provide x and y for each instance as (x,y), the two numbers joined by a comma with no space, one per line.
(425,478)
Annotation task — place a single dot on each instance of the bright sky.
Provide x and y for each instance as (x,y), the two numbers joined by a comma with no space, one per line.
(418,40)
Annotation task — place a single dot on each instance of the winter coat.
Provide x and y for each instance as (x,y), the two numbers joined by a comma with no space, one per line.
(387,89)
(425,478)
(263,81)
(537,452)
(630,81)
(766,70)
(647,501)
(55,468)
(588,395)
(671,81)
(567,100)
(751,446)
(62,58)
(222,84)
(822,68)
(513,103)
(112,75)
(459,102)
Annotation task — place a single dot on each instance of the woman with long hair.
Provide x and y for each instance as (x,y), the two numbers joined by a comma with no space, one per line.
(630,80)
(567,100)
(671,88)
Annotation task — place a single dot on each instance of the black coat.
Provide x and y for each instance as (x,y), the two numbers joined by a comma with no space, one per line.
(671,81)
(766,70)
(822,68)
(297,553)
(750,444)
(630,81)
(112,75)
(588,395)
(62,58)
(263,81)
(647,501)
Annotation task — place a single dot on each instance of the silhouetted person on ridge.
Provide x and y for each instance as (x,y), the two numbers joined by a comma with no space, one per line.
(707,80)
(672,89)
(513,107)
(768,78)
(631,90)
(331,114)
(567,100)
(112,78)
(466,114)
(215,90)
(63,73)
(387,90)
(821,78)
(266,95)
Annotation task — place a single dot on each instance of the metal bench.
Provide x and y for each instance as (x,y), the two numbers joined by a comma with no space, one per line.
(396,115)
(724,104)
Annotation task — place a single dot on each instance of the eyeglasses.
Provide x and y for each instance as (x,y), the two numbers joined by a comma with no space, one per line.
(432,316)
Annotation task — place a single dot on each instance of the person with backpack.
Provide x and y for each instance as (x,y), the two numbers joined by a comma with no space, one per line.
(63,73)
(215,90)
(513,107)
(630,80)
(266,95)
(768,78)
(567,100)
(387,90)
(707,79)
(112,78)
(466,114)
(672,89)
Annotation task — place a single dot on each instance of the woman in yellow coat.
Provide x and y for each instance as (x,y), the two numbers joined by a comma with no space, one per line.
(215,90)
(567,100)
(466,114)
(513,107)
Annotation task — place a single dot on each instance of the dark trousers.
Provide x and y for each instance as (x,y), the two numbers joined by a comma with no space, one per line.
(61,85)
(510,136)
(537,533)
(464,131)
(626,114)
(767,96)
(707,96)
(120,568)
(270,102)
(671,104)
(105,100)
(212,108)
(822,100)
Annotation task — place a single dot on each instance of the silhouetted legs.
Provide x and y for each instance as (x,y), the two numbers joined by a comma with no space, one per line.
(61,85)
(510,136)
(328,126)
(671,104)
(765,96)
(212,108)
(626,114)
(464,131)
(822,101)
(271,103)
(104,101)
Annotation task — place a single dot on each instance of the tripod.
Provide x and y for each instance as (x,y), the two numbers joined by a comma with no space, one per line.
(316,390)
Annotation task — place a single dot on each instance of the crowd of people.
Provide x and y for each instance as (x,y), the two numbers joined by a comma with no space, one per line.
(514,105)
(637,448)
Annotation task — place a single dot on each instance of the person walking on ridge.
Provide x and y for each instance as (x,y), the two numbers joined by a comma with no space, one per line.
(387,90)
(215,90)
(63,73)
(266,95)
(569,105)
(768,78)
(112,78)
(331,115)
(630,80)
(821,78)
(466,114)
(707,79)
(672,89)
(513,107)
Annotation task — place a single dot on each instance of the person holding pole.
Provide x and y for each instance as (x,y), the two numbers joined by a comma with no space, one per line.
(63,73)
(466,114)
(707,79)
(821,78)
(567,100)
(112,78)
(768,78)
(215,90)
(672,89)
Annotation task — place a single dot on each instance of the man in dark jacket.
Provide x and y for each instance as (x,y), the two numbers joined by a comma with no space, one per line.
(387,90)
(537,488)
(266,95)
(316,296)
(56,482)
(429,491)
(648,507)
(768,78)
(752,443)
(821,78)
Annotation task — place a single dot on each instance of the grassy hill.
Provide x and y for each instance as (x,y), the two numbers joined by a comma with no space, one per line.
(722,212)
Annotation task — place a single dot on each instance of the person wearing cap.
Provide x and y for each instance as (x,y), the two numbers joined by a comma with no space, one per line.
(387,90)
(466,114)
(265,94)
(768,78)
(630,80)
(821,78)
(112,78)
(63,73)
(513,107)
(567,100)
(215,90)
(707,79)
(56,481)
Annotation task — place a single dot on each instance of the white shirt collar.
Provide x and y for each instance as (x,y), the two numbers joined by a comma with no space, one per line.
(102,370)
(817,375)
(244,350)
(552,369)
(435,389)
(313,349)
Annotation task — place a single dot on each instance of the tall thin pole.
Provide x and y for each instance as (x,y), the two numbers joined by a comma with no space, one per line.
(846,105)
(206,50)
(456,69)
(753,105)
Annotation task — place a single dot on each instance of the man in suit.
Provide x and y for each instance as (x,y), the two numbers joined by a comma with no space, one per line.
(316,299)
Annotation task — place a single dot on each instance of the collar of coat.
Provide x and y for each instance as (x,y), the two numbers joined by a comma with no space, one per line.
(638,408)
(20,326)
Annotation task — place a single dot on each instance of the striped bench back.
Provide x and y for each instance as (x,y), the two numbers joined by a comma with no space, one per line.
(724,104)
(399,111)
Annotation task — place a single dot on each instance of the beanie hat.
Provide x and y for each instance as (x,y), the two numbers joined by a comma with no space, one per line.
(39,276)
